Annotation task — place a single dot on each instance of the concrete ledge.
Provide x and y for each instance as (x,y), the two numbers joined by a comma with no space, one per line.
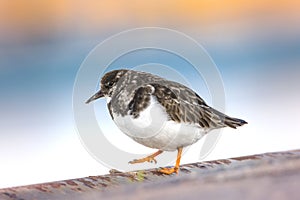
(263,176)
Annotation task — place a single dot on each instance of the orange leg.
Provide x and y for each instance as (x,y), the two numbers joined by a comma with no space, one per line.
(176,167)
(150,158)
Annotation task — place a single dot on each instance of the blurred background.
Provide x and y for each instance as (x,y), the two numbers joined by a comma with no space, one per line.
(255,45)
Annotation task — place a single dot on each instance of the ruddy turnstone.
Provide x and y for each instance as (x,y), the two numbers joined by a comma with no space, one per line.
(159,113)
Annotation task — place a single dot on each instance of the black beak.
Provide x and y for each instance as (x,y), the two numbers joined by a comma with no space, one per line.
(98,95)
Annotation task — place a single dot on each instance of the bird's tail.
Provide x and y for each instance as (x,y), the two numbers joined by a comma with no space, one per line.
(234,122)
(219,119)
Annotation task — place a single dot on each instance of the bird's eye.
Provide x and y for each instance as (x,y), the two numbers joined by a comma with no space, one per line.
(110,84)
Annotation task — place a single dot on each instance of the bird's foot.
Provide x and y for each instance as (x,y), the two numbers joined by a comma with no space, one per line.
(169,171)
(150,158)
(147,159)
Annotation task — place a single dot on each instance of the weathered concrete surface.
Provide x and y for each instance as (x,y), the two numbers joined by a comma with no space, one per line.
(265,176)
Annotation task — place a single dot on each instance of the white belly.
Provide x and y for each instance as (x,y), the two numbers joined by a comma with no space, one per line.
(154,129)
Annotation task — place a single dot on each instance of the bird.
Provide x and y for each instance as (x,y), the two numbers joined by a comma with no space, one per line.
(158,113)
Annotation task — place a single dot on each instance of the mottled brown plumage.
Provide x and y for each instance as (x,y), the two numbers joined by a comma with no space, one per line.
(181,111)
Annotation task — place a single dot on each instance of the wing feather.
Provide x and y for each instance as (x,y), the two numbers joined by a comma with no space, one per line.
(189,108)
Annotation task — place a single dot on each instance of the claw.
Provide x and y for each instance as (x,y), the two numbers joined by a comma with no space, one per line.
(169,171)
(133,161)
(153,160)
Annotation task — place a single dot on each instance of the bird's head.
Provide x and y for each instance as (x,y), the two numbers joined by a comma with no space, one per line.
(108,84)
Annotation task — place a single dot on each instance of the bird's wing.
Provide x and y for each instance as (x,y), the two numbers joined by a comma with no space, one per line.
(178,109)
(190,109)
(193,108)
